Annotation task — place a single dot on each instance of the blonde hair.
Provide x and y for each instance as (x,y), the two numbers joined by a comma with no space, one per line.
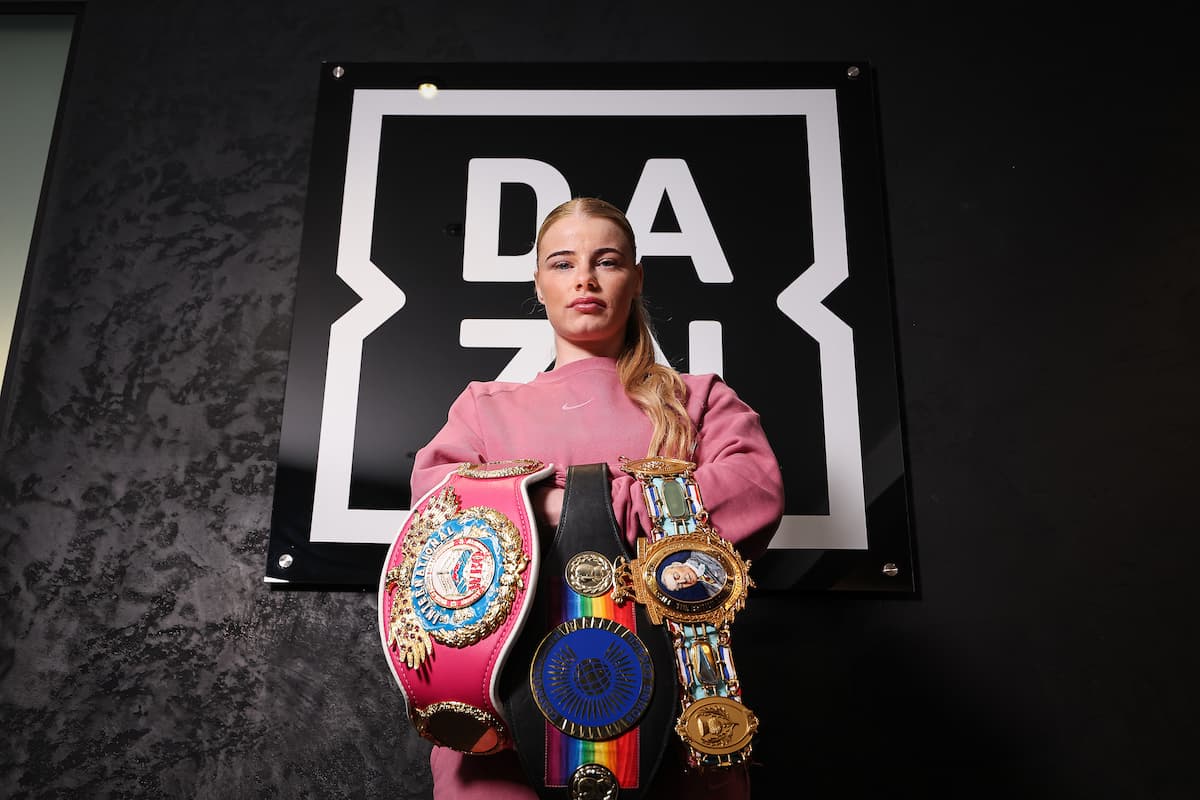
(657,389)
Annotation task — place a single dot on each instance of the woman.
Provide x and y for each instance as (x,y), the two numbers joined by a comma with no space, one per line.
(605,399)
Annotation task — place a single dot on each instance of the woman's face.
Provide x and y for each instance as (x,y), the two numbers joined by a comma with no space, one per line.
(587,279)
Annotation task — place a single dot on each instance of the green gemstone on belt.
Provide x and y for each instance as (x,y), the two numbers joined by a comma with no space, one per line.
(675,497)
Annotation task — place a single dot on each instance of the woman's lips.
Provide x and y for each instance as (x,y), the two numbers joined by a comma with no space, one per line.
(588,304)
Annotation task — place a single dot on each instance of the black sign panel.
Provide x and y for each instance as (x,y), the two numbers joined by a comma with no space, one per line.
(756,195)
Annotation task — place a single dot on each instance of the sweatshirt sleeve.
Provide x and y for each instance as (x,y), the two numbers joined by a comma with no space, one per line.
(459,440)
(737,472)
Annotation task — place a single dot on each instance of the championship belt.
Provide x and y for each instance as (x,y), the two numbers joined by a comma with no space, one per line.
(689,577)
(454,592)
(590,690)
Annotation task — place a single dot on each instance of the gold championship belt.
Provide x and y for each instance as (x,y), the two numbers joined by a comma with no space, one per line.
(693,580)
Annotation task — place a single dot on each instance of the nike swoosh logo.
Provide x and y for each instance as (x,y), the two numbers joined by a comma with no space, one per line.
(572,407)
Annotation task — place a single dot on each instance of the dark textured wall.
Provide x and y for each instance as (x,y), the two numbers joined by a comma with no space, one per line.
(1041,175)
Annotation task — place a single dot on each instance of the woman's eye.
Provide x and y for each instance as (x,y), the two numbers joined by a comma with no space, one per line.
(608,262)
(560,265)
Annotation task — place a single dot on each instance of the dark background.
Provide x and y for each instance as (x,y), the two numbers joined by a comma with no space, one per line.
(1041,173)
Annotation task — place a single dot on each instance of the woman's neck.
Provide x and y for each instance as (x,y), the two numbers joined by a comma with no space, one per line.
(567,352)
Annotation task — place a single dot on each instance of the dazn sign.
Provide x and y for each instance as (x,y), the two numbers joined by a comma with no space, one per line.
(416,277)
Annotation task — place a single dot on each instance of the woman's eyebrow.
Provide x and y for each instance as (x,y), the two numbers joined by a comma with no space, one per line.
(598,251)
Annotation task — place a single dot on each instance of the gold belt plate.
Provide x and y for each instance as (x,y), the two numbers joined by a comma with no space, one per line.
(688,578)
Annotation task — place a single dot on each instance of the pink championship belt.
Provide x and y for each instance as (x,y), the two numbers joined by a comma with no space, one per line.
(454,594)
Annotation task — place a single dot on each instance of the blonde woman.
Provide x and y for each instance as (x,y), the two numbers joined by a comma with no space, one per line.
(606,398)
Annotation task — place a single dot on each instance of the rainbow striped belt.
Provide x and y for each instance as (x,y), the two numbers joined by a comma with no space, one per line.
(591,690)
(565,754)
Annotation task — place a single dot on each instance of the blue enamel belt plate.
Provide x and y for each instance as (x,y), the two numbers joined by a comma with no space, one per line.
(592,678)
(456,576)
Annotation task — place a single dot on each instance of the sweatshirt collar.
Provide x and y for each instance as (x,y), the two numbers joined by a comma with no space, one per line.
(575,367)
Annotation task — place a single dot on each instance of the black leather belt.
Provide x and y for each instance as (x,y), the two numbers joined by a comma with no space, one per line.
(590,691)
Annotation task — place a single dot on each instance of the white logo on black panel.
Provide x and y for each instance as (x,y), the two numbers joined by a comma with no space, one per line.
(800,301)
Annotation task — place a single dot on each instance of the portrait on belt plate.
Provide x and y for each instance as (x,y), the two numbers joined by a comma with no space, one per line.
(690,575)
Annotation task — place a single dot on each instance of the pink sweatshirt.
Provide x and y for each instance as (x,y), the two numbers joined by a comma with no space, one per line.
(580,414)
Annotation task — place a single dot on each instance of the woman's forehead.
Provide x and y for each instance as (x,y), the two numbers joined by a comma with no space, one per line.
(574,226)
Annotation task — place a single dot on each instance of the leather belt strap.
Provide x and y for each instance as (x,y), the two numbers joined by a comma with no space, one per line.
(590,691)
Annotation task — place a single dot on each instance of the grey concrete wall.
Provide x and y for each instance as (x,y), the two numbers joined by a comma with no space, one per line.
(1041,172)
